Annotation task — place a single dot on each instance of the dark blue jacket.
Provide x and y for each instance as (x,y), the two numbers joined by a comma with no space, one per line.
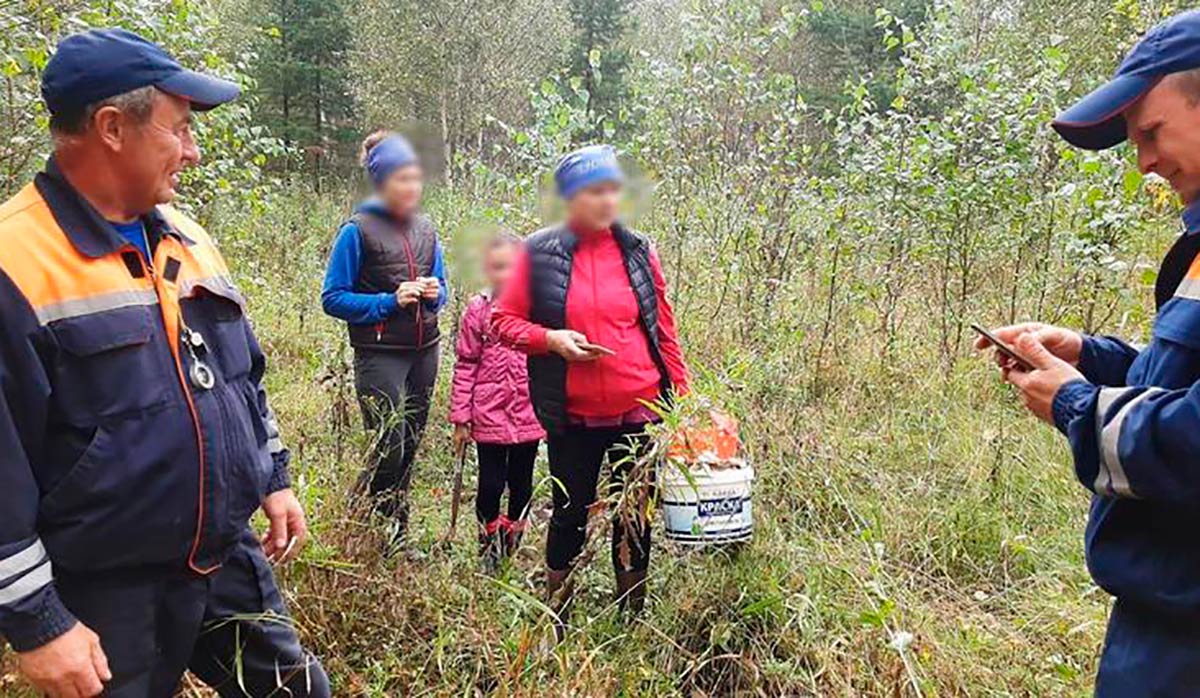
(111,457)
(1134,428)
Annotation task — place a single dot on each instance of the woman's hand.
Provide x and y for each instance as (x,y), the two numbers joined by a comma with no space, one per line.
(566,343)
(409,293)
(431,288)
(462,438)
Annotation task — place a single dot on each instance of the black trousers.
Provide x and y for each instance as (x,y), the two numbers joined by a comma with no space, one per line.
(394,390)
(577,456)
(230,629)
(501,466)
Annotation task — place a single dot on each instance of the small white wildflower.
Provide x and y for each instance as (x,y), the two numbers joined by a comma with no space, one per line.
(901,639)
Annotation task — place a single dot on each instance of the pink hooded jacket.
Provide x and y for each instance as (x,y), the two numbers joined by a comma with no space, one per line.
(491,383)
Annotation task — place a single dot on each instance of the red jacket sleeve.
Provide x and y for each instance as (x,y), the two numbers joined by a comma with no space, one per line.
(510,316)
(667,334)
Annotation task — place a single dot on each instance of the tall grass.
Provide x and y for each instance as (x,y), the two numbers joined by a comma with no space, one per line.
(916,532)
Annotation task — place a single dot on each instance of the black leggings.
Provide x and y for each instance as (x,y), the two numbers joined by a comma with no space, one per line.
(503,465)
(394,388)
(576,457)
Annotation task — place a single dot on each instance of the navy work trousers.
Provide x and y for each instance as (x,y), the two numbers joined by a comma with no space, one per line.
(230,629)
(1150,652)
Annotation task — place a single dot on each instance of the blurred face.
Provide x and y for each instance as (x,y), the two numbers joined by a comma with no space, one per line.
(596,207)
(498,264)
(401,191)
(149,157)
(1165,127)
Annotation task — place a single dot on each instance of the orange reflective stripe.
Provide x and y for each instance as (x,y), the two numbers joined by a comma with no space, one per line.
(55,278)
(1190,286)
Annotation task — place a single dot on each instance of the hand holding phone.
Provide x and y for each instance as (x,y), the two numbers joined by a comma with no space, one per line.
(596,349)
(573,346)
(1003,348)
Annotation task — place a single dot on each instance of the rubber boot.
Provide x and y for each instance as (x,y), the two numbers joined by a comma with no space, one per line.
(559,599)
(631,592)
(491,544)
(514,532)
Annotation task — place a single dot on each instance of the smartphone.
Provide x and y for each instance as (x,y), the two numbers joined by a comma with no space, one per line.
(1004,348)
(596,349)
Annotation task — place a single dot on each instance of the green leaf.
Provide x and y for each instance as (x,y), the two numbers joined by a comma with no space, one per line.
(1133,181)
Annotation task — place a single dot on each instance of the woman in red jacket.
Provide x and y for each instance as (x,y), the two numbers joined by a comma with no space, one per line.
(587,302)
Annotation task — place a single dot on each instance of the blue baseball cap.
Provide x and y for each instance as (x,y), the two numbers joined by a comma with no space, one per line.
(1097,121)
(94,65)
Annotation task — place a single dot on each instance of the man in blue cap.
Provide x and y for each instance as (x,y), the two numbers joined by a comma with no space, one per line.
(135,436)
(1132,414)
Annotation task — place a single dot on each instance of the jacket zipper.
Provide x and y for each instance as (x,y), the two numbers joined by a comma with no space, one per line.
(412,275)
(187,394)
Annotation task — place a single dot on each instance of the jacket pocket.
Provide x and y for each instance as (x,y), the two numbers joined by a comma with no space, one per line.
(222,322)
(73,488)
(110,364)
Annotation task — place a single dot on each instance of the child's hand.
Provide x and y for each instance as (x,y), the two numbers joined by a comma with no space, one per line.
(462,438)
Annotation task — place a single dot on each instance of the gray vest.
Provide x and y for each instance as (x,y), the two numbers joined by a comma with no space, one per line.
(393,253)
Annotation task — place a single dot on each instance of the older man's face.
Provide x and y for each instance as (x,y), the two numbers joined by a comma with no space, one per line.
(156,152)
(1165,127)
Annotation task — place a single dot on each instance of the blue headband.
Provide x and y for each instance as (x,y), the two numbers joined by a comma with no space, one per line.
(585,167)
(389,155)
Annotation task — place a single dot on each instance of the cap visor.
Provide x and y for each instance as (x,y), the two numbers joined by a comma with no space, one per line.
(1097,121)
(203,91)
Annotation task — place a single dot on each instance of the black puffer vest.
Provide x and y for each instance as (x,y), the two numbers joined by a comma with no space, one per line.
(392,254)
(551,255)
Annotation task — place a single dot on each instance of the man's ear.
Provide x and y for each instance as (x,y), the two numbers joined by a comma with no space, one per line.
(111,126)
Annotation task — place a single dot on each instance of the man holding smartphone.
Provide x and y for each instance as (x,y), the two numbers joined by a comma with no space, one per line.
(1132,415)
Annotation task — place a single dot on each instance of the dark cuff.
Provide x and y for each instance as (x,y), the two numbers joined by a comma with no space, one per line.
(1070,401)
(281,479)
(29,632)
(1090,361)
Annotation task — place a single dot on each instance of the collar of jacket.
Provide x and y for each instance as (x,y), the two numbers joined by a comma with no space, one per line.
(623,235)
(376,207)
(1191,217)
(87,230)
(582,233)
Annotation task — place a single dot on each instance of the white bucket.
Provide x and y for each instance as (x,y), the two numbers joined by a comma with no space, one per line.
(715,510)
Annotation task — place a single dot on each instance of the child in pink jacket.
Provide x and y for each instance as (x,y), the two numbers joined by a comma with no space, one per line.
(490,405)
